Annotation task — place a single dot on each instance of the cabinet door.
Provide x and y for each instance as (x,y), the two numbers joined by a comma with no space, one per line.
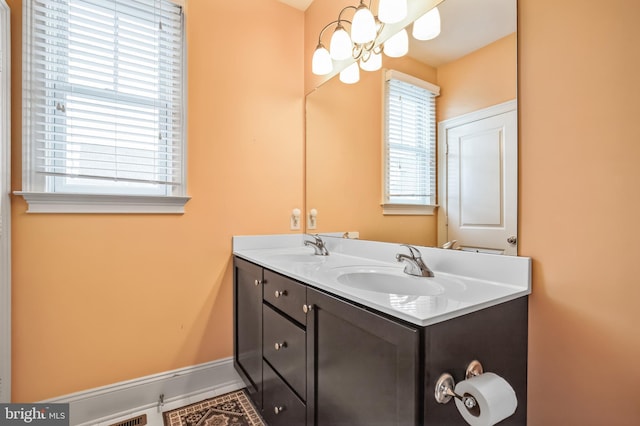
(362,368)
(247,304)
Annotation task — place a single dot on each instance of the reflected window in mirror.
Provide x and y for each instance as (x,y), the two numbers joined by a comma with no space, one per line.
(409,155)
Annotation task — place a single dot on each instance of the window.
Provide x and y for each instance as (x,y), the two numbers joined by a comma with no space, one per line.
(103,106)
(409,145)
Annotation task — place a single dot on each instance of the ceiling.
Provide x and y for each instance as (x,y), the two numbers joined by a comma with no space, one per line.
(466,25)
(298,4)
(477,23)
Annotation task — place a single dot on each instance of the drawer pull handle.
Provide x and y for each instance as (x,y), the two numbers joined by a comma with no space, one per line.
(281,293)
(257,283)
(307,308)
(278,410)
(278,346)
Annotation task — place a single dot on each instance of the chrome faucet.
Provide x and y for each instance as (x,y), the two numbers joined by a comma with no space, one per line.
(415,264)
(318,245)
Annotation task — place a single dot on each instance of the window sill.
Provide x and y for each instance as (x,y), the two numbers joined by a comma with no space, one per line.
(408,209)
(43,202)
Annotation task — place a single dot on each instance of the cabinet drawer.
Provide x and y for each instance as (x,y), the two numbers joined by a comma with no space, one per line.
(284,346)
(285,294)
(280,405)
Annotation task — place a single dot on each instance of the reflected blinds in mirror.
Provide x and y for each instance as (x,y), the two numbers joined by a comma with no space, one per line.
(409,140)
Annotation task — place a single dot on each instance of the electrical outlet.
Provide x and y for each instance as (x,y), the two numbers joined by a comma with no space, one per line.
(295,220)
(312,220)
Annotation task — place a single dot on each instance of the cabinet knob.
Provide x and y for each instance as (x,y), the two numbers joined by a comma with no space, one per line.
(281,293)
(278,346)
(307,308)
(278,410)
(257,283)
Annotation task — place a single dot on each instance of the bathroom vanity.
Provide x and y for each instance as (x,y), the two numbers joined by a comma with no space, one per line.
(316,345)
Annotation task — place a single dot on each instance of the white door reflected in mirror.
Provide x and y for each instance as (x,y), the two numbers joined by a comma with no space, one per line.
(480,200)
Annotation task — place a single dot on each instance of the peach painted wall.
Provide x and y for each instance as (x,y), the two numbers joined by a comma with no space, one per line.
(579,191)
(478,80)
(99,299)
(344,159)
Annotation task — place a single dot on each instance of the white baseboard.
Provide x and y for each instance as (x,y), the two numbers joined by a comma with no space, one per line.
(100,404)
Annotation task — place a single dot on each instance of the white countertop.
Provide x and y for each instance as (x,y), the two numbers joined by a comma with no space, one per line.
(464,282)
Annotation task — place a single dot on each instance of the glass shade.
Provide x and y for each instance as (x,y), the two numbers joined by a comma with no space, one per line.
(363,27)
(340,46)
(321,63)
(427,26)
(351,74)
(397,45)
(373,62)
(392,11)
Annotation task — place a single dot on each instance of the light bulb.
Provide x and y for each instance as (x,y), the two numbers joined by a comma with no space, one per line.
(363,27)
(321,63)
(340,46)
(397,45)
(373,62)
(392,11)
(350,74)
(427,26)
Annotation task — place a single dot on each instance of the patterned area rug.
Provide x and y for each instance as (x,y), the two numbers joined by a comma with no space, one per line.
(231,409)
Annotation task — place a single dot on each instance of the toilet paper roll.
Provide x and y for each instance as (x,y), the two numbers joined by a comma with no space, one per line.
(496,399)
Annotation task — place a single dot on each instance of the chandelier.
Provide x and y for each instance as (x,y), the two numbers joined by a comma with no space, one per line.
(362,44)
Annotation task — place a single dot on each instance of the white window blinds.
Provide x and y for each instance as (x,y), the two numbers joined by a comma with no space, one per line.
(103,96)
(410,140)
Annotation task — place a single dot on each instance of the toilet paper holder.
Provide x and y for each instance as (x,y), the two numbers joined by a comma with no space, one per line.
(445,386)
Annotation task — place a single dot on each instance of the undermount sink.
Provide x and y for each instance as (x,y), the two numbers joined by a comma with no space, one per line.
(394,281)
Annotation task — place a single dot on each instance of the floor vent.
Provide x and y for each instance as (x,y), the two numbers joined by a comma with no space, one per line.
(135,421)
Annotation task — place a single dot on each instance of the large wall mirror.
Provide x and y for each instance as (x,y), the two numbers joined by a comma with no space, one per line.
(473,61)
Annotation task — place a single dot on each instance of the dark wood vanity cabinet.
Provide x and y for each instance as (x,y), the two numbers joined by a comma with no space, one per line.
(310,358)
